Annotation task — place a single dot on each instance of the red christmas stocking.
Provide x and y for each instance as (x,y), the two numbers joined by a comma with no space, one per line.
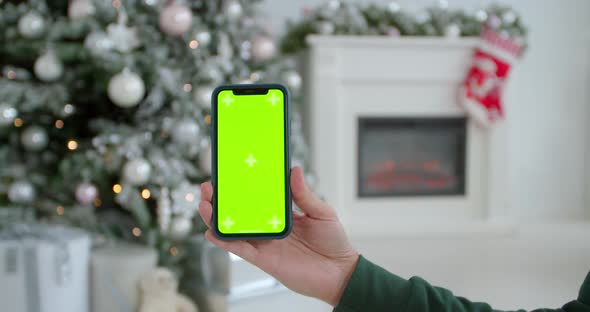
(481,92)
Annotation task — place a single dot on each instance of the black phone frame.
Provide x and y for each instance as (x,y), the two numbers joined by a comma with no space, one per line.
(246,89)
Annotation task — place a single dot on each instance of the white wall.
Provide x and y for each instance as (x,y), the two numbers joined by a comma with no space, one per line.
(549,97)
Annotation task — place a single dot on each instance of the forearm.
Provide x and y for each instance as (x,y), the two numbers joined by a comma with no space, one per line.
(371,288)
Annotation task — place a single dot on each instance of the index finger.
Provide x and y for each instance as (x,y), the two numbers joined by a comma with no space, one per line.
(206,191)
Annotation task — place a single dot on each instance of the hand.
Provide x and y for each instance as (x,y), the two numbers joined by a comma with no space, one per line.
(316,259)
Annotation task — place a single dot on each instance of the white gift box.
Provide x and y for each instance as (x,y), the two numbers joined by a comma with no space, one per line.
(44,269)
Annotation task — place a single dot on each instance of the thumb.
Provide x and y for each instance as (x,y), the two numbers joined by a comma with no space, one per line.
(305,199)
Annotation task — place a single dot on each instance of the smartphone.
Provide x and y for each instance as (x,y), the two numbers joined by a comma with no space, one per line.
(251,162)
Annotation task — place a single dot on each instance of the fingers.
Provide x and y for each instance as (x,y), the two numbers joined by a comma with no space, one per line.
(242,249)
(206,211)
(306,200)
(206,191)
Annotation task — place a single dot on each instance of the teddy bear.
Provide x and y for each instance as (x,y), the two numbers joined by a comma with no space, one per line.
(158,293)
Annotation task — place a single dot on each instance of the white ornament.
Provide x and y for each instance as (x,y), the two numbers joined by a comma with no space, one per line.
(180,227)
(202,95)
(97,42)
(204,38)
(176,19)
(124,38)
(263,48)
(293,80)
(48,67)
(31,25)
(34,138)
(126,89)
(325,28)
(137,171)
(7,114)
(205,159)
(233,10)
(394,7)
(481,15)
(21,192)
(86,193)
(80,9)
(186,132)
(452,31)
(509,17)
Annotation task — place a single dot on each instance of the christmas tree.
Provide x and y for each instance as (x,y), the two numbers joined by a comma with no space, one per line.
(104,109)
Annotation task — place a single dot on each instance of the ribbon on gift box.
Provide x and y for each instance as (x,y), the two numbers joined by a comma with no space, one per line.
(26,233)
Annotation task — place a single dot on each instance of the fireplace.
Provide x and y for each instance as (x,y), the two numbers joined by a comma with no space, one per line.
(411,156)
(392,149)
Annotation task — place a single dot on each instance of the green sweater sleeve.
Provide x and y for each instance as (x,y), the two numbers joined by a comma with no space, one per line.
(371,288)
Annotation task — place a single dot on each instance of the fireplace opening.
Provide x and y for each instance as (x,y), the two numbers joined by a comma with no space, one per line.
(411,156)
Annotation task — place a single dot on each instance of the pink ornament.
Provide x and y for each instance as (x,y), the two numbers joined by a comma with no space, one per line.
(263,48)
(86,193)
(392,32)
(494,22)
(176,19)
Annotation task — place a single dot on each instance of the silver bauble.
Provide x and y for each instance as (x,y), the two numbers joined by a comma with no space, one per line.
(34,138)
(81,8)
(180,227)
(204,38)
(31,25)
(293,80)
(21,192)
(233,10)
(97,42)
(7,114)
(137,171)
(126,89)
(202,95)
(186,132)
(48,67)
(452,31)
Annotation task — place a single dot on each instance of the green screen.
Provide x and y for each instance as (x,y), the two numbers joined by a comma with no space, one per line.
(250,162)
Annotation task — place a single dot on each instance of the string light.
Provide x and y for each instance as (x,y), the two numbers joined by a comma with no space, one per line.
(18,122)
(116,4)
(97,202)
(59,210)
(193,44)
(117,188)
(146,194)
(72,145)
(11,74)
(59,124)
(189,197)
(208,119)
(187,87)
(173,251)
(136,232)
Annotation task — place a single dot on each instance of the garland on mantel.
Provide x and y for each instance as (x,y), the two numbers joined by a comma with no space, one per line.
(341,18)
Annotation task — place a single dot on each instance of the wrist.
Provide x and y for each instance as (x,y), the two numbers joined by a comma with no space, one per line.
(346,267)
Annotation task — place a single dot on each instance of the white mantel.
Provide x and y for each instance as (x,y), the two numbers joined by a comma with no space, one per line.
(351,77)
